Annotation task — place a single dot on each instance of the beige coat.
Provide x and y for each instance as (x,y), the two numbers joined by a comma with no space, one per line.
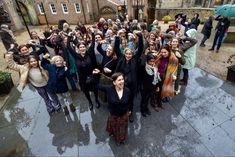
(23,70)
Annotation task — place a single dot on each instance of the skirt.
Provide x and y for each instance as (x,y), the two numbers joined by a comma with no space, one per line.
(118,126)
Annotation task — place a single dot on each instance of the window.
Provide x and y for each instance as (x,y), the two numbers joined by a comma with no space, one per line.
(77,8)
(40,8)
(53,9)
(65,8)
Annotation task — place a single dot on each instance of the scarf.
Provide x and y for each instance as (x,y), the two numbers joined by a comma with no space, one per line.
(168,82)
(152,71)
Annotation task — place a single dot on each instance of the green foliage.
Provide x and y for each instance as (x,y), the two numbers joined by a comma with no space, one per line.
(166,18)
(4,76)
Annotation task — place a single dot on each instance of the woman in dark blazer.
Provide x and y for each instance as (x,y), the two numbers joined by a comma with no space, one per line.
(118,100)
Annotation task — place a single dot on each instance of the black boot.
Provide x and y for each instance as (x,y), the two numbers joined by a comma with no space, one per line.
(131,118)
(72,108)
(66,111)
(90,105)
(97,104)
(148,111)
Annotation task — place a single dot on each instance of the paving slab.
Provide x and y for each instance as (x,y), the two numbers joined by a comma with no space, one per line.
(197,122)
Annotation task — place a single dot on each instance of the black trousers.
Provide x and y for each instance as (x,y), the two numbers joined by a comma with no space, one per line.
(145,96)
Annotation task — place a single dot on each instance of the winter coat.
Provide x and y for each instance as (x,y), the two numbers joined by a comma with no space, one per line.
(23,70)
(206,30)
(130,68)
(57,77)
(190,54)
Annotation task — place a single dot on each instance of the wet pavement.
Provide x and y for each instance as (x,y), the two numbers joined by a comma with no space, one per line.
(198,122)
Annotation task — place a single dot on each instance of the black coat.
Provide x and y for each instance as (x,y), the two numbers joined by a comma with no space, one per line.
(206,30)
(130,68)
(117,107)
(85,66)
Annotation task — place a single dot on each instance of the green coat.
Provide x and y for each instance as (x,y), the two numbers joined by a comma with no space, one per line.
(190,54)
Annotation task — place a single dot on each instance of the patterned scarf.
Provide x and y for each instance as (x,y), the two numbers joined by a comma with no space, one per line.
(168,82)
(152,71)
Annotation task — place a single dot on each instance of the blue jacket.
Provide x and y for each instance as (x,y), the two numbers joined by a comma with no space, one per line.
(57,77)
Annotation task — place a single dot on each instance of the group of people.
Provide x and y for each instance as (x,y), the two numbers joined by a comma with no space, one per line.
(115,60)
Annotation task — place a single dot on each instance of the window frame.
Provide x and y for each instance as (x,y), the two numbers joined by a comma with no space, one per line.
(52,9)
(75,5)
(62,5)
(40,8)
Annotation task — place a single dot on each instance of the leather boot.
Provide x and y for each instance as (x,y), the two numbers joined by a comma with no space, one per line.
(66,111)
(90,105)
(72,108)
(184,81)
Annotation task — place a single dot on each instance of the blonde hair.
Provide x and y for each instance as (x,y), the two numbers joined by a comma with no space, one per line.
(53,59)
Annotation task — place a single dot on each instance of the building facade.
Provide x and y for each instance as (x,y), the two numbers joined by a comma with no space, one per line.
(141,5)
(85,11)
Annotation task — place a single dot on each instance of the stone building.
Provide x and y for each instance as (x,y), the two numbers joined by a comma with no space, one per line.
(85,11)
(163,5)
(27,9)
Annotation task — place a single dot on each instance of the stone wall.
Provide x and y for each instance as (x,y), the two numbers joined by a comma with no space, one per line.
(204,13)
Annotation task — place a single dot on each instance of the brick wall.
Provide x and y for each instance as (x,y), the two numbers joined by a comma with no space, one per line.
(72,17)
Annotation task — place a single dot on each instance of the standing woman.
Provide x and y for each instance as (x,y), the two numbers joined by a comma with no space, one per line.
(167,64)
(85,67)
(128,65)
(206,30)
(118,99)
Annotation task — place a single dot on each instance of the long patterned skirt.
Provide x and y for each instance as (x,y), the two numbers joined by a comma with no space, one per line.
(118,126)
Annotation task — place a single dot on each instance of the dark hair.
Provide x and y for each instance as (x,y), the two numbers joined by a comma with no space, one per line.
(81,43)
(116,75)
(150,56)
(99,35)
(167,47)
(32,56)
(21,46)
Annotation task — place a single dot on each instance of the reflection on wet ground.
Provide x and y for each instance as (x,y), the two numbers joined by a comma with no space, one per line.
(198,122)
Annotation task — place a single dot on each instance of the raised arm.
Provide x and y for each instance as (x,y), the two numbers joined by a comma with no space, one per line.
(11,63)
(188,45)
(140,45)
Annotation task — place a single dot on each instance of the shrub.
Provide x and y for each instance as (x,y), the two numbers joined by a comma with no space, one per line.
(4,76)
(166,18)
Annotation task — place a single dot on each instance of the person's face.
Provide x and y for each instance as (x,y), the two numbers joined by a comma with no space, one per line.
(174,43)
(128,55)
(164,53)
(152,47)
(34,35)
(98,38)
(105,26)
(152,37)
(59,62)
(151,62)
(109,51)
(33,62)
(24,50)
(119,82)
(82,49)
